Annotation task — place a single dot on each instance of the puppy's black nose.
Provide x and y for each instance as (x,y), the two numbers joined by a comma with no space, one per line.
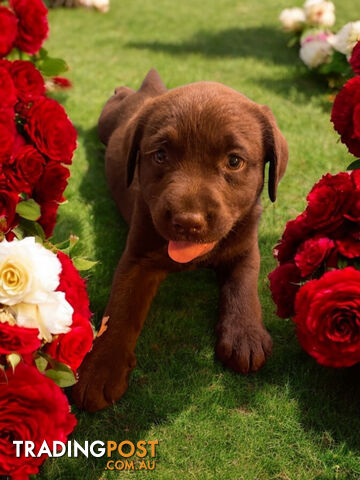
(188,222)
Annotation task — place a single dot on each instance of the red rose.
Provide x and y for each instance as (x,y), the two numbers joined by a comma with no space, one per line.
(8,97)
(18,339)
(355,59)
(32,407)
(349,246)
(355,175)
(345,115)
(312,253)
(329,201)
(70,348)
(8,202)
(51,130)
(7,134)
(5,63)
(48,217)
(284,284)
(33,26)
(62,82)
(328,317)
(296,231)
(25,169)
(353,213)
(52,183)
(27,79)
(8,30)
(74,286)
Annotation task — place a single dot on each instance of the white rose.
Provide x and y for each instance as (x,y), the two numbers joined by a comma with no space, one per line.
(53,316)
(27,271)
(292,19)
(29,276)
(320,13)
(102,5)
(346,39)
(315,51)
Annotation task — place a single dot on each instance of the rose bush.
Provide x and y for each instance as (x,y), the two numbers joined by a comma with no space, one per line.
(45,329)
(309,282)
(32,157)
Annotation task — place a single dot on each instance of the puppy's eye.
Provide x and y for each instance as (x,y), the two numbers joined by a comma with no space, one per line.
(234,162)
(160,156)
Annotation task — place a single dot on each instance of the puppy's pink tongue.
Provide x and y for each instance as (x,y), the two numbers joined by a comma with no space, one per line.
(183,252)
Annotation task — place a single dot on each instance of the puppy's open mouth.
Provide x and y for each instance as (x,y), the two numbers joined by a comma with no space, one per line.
(184,252)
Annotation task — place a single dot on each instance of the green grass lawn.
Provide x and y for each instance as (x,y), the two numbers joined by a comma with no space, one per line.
(293,420)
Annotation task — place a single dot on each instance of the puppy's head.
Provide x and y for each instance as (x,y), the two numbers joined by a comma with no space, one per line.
(201,152)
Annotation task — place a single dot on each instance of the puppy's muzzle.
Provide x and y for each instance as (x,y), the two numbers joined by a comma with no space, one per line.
(189,223)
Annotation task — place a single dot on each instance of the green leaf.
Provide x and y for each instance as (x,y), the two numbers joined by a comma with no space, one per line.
(14,359)
(338,64)
(61,378)
(28,228)
(55,365)
(51,67)
(43,53)
(82,264)
(28,209)
(41,363)
(342,262)
(294,40)
(354,165)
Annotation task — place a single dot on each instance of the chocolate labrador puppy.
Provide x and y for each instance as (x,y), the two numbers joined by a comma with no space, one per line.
(186,169)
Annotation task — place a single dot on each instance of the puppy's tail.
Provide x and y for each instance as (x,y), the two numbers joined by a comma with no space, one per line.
(117,111)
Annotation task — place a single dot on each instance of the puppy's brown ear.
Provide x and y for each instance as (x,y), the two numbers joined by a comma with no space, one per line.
(276,151)
(133,137)
(152,84)
(151,87)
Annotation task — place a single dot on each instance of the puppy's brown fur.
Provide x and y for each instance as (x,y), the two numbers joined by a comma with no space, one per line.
(189,192)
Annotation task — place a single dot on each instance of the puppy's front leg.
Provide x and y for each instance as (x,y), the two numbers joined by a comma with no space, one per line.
(103,376)
(243,344)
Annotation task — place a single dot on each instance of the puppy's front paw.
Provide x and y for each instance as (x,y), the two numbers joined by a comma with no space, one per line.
(103,379)
(243,348)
